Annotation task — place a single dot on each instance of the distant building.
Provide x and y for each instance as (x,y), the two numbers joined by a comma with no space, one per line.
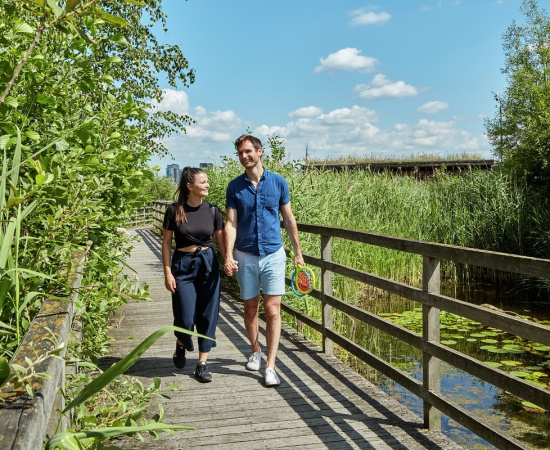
(173,172)
(206,165)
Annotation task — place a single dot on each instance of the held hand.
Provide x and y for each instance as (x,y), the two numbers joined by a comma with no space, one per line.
(230,267)
(170,283)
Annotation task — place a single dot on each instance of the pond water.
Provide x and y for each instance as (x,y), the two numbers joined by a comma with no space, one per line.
(492,405)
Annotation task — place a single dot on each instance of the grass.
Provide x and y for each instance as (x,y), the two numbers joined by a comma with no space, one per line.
(420,157)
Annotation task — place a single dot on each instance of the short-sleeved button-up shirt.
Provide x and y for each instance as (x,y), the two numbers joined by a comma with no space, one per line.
(258,223)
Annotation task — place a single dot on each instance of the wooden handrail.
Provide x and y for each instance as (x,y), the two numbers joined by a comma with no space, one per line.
(26,421)
(432,303)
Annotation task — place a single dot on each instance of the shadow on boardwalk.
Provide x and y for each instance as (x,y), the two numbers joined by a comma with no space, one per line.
(321,402)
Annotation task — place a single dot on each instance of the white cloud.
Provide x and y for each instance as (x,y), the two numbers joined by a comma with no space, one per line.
(175,101)
(362,17)
(347,131)
(347,59)
(381,87)
(307,111)
(433,107)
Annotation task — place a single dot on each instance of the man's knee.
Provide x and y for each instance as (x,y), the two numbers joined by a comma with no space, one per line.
(272,307)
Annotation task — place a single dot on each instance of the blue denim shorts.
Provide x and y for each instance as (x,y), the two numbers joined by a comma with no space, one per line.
(267,272)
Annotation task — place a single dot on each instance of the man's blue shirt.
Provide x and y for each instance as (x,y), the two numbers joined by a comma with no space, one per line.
(258,223)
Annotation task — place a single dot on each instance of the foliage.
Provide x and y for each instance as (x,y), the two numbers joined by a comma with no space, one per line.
(157,188)
(520,130)
(107,406)
(373,158)
(75,134)
(78,79)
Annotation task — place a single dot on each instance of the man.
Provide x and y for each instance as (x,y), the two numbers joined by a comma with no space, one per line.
(255,250)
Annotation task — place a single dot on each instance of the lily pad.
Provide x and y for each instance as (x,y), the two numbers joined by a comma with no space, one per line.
(448,342)
(531,406)
(511,363)
(519,374)
(493,364)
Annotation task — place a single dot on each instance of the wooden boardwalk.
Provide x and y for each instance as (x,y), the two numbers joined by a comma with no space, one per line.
(321,403)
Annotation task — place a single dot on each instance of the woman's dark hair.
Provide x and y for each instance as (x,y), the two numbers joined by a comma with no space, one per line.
(187,176)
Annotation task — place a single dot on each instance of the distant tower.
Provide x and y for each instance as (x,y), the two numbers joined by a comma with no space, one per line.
(206,165)
(173,172)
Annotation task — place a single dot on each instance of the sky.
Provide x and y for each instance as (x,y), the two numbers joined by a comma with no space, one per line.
(337,78)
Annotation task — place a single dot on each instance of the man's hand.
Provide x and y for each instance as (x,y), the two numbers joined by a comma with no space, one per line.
(299,260)
(230,267)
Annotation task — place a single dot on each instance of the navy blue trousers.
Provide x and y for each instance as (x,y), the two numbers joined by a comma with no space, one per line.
(196,302)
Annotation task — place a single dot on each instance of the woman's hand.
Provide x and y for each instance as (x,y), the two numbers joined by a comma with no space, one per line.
(170,283)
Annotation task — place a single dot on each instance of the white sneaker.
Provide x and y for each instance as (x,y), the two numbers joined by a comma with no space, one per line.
(271,377)
(255,361)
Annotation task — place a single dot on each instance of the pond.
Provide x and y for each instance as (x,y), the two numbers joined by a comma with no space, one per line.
(502,410)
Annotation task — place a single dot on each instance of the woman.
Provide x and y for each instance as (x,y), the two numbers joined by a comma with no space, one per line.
(193,278)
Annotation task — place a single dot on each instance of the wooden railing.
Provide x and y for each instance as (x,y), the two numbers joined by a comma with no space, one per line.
(25,421)
(140,216)
(432,303)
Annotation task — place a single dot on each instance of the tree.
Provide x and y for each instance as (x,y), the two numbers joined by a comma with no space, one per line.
(76,133)
(520,130)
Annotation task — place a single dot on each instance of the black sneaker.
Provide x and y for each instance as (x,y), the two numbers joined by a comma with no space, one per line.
(179,356)
(202,373)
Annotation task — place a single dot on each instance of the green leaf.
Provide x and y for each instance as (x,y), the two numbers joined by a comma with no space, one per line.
(532,405)
(71,5)
(123,365)
(4,370)
(10,101)
(33,135)
(519,374)
(54,6)
(43,179)
(68,439)
(113,60)
(135,2)
(7,240)
(45,99)
(111,19)
(118,39)
(22,28)
(14,201)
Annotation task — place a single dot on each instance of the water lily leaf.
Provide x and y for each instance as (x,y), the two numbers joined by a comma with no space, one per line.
(493,364)
(534,367)
(448,342)
(489,341)
(530,405)
(542,348)
(488,347)
(511,363)
(477,335)
(519,374)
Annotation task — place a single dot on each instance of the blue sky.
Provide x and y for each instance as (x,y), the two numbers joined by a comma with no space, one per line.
(343,78)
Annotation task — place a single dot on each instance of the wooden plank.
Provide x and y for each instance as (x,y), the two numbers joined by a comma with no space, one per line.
(321,401)
(431,367)
(525,265)
(512,324)
(25,420)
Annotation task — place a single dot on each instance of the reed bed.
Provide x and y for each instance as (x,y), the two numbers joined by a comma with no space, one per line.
(480,209)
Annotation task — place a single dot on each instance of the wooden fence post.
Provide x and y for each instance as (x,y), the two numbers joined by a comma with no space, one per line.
(326,286)
(431,333)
